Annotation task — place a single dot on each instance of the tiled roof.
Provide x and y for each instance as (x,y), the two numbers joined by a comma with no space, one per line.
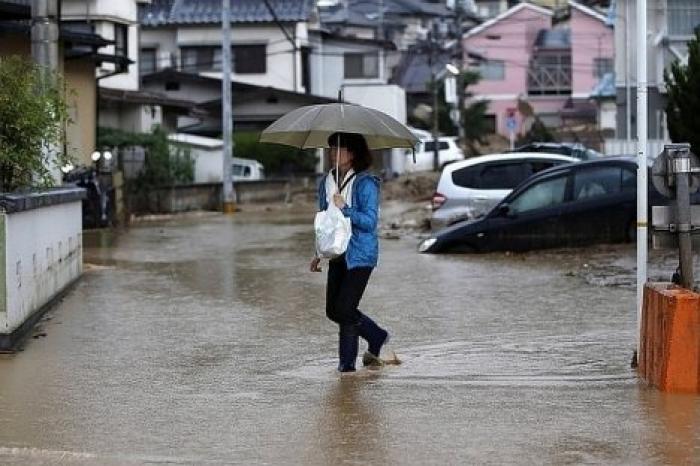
(163,12)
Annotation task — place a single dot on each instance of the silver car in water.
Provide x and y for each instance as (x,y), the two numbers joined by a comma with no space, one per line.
(470,188)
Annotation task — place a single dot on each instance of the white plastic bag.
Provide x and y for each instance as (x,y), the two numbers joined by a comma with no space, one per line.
(333,232)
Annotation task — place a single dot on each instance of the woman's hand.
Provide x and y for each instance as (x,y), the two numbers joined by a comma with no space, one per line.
(338,201)
(315,267)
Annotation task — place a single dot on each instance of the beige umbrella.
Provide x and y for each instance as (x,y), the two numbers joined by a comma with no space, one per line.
(309,127)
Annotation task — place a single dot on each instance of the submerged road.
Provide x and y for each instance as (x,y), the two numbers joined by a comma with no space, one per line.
(202,340)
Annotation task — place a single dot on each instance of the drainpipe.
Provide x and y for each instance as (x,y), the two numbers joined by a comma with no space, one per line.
(44,34)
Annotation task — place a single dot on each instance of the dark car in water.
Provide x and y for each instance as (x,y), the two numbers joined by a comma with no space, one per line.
(571,205)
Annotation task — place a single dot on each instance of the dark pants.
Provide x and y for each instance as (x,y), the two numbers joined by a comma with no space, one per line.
(344,291)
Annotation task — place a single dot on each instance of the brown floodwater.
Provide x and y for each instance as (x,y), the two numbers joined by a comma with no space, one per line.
(203,340)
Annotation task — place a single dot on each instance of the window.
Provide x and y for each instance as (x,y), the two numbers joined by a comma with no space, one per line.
(200,58)
(502,175)
(361,65)
(629,180)
(429,146)
(121,33)
(466,177)
(597,182)
(545,194)
(147,61)
(490,124)
(683,17)
(492,70)
(249,59)
(537,166)
(602,66)
(491,176)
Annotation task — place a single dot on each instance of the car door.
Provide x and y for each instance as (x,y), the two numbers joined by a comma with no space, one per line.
(531,220)
(495,181)
(603,197)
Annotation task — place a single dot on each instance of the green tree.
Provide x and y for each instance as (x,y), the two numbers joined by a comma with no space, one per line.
(683,104)
(474,121)
(275,158)
(32,124)
(166,163)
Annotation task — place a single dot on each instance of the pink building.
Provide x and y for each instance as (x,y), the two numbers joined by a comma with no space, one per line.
(553,68)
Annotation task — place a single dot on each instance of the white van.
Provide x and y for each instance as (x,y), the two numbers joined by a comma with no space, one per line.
(247,170)
(448,149)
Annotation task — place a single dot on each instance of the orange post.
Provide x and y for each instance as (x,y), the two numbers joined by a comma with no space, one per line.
(669,355)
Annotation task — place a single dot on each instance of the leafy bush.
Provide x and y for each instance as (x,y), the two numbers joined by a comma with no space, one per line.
(683,83)
(166,164)
(276,158)
(32,124)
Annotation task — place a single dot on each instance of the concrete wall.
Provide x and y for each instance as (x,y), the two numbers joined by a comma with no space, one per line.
(40,254)
(80,80)
(207,196)
(327,66)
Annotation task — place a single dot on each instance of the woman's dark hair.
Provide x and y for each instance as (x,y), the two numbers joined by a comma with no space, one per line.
(355,143)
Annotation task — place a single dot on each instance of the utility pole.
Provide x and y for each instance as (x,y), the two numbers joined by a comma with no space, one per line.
(44,35)
(642,94)
(229,194)
(460,77)
(434,88)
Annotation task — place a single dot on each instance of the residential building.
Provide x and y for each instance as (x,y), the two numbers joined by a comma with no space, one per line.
(186,35)
(81,53)
(554,69)
(670,25)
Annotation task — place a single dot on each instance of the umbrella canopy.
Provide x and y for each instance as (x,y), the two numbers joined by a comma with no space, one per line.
(309,127)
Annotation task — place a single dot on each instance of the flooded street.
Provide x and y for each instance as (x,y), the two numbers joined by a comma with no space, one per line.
(203,340)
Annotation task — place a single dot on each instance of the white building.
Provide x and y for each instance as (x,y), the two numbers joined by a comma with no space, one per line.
(670,25)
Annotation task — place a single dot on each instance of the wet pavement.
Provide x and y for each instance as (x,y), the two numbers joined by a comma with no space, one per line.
(202,340)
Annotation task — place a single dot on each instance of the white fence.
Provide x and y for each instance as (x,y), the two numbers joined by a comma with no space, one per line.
(40,255)
(625,147)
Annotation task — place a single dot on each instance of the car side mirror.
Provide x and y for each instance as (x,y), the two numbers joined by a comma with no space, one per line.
(504,210)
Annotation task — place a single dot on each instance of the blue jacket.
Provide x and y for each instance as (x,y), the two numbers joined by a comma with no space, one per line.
(363,248)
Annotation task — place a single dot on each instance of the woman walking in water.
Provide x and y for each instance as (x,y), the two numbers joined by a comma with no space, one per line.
(348,274)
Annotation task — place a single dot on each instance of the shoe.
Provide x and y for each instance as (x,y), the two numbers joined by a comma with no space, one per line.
(375,336)
(370,360)
(347,348)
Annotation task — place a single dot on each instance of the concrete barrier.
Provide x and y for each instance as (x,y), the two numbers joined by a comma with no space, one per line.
(40,256)
(207,196)
(669,353)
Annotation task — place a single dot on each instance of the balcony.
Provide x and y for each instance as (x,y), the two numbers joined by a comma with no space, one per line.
(549,75)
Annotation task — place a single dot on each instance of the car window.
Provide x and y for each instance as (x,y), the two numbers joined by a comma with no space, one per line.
(466,177)
(629,180)
(537,166)
(430,146)
(597,182)
(502,175)
(546,193)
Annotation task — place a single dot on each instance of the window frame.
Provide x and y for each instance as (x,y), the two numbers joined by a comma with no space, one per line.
(121,31)
(363,74)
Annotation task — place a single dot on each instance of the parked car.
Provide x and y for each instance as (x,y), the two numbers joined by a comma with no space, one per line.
(448,151)
(247,170)
(571,205)
(572,149)
(470,188)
